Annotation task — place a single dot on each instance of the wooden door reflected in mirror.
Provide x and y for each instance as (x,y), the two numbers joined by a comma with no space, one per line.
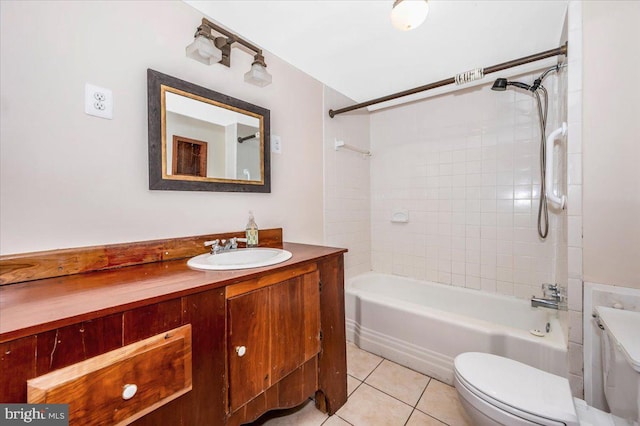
(189,157)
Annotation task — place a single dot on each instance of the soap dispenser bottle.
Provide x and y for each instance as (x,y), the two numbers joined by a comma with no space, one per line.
(252,231)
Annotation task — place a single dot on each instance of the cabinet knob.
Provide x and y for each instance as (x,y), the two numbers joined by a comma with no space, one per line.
(128,391)
(241,350)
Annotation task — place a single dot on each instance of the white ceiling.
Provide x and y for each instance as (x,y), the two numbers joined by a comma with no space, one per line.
(351,46)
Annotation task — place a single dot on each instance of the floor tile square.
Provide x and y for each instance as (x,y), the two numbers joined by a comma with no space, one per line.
(335,421)
(360,363)
(418,418)
(398,381)
(368,406)
(441,401)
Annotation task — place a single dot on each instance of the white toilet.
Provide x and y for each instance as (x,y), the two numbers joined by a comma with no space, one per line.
(499,391)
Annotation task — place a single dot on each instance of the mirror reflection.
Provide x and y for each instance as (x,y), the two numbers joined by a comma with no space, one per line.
(205,141)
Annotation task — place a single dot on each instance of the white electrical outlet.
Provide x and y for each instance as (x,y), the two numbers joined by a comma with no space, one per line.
(276,144)
(98,101)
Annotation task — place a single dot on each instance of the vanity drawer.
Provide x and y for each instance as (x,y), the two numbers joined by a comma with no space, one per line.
(123,385)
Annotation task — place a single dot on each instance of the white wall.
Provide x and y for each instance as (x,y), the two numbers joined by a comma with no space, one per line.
(611,138)
(68,179)
(347,184)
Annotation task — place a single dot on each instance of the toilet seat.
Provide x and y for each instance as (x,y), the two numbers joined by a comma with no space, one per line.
(515,388)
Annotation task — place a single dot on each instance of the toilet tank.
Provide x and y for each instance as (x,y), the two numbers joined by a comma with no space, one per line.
(621,360)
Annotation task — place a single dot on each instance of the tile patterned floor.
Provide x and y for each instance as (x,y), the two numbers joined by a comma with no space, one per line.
(381,393)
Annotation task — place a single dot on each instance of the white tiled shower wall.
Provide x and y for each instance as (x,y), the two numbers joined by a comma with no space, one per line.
(466,167)
(346,185)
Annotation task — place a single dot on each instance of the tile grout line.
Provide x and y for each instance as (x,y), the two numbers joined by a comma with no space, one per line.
(389,395)
(413,410)
(374,369)
(379,390)
(345,421)
(357,387)
(414,407)
(427,414)
(360,384)
(418,402)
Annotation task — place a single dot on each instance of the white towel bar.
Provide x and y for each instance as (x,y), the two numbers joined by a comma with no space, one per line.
(341,144)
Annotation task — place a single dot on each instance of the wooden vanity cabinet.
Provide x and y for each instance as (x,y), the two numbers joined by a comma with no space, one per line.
(272,331)
(289,319)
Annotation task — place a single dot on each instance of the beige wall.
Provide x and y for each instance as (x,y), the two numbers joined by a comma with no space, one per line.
(611,138)
(68,179)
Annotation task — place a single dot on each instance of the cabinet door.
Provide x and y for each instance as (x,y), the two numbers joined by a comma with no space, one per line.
(295,323)
(272,331)
(248,348)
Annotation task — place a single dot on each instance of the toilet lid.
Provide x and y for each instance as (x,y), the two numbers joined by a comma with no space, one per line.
(517,385)
(624,327)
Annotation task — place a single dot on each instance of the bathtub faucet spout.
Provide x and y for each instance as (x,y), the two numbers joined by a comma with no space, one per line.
(548,303)
(553,298)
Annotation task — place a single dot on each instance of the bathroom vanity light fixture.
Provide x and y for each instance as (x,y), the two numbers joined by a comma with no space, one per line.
(258,74)
(409,14)
(210,48)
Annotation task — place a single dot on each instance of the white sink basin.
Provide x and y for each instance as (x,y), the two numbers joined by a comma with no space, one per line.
(239,259)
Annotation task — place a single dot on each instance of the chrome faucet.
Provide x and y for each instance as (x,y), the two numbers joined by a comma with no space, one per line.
(552,298)
(218,246)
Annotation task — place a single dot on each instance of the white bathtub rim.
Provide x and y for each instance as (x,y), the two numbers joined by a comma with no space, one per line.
(555,339)
(349,286)
(372,316)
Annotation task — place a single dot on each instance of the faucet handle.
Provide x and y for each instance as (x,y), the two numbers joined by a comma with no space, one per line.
(552,290)
(211,243)
(215,245)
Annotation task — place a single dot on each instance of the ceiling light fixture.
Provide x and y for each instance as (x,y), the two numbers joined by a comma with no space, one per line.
(409,14)
(209,48)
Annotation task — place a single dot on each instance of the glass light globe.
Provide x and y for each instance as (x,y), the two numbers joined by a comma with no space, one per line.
(258,75)
(409,14)
(203,50)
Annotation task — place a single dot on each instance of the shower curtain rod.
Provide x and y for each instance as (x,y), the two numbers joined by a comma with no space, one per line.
(562,50)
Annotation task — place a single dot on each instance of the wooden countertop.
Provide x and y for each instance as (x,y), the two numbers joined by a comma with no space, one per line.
(36,306)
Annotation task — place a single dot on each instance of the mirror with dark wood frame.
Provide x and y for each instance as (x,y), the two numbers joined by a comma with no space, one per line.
(202,140)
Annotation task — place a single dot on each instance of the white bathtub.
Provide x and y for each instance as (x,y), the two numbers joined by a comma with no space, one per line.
(424,325)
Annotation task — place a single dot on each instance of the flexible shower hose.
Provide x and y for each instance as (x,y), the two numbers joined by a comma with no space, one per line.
(543,211)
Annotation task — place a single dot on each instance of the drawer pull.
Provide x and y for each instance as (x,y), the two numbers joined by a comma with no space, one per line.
(129,391)
(241,350)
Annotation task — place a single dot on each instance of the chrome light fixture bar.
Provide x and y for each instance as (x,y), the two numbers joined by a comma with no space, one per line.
(209,48)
